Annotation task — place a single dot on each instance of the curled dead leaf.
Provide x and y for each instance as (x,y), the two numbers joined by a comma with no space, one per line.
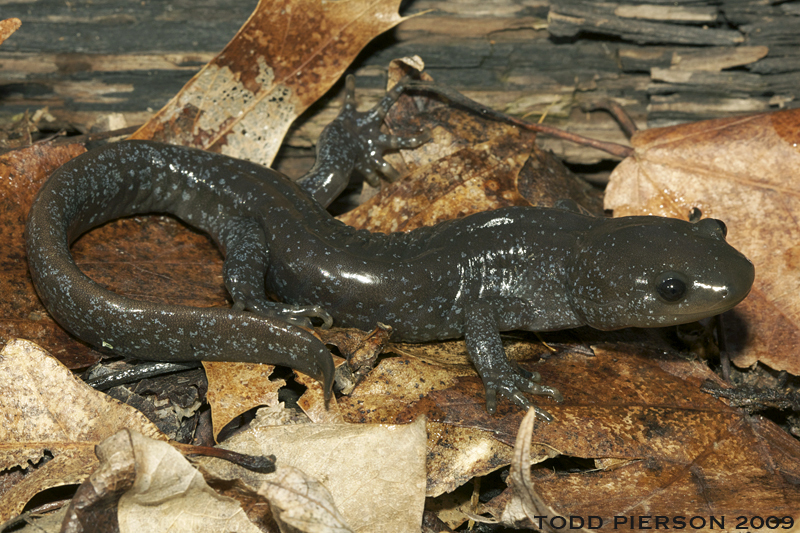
(146,485)
(525,497)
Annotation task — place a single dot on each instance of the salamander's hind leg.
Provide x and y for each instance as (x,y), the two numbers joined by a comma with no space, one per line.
(354,141)
(498,374)
(246,261)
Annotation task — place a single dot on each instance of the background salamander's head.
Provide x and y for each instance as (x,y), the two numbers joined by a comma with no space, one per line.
(654,271)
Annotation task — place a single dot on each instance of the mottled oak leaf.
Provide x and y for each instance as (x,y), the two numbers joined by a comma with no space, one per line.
(284,58)
(745,172)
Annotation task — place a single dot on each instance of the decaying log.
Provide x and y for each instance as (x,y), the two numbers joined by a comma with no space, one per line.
(98,64)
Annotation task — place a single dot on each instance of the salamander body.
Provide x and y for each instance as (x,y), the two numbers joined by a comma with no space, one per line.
(535,269)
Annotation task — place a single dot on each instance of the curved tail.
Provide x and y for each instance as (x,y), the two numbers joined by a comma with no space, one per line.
(145,330)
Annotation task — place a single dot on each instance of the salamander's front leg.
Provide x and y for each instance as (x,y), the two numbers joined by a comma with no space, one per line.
(354,141)
(498,374)
(246,261)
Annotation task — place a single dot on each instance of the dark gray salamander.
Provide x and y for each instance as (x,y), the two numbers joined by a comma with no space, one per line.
(535,269)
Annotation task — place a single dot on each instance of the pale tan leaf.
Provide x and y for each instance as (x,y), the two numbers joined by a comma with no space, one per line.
(46,408)
(302,503)
(375,473)
(170,495)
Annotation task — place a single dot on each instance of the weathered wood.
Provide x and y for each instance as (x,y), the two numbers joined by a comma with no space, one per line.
(571,17)
(664,60)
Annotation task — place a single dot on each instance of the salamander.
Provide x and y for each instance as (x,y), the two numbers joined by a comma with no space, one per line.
(528,268)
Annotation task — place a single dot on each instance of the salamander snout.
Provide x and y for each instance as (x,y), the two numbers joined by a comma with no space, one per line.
(652,271)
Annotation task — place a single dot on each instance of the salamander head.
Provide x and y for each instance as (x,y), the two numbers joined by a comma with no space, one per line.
(653,271)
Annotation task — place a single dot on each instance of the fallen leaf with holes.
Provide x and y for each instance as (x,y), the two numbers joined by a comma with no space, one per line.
(743,171)
(640,417)
(48,410)
(375,473)
(284,58)
(313,402)
(235,388)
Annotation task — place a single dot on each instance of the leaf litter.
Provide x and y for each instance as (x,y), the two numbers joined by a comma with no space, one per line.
(637,415)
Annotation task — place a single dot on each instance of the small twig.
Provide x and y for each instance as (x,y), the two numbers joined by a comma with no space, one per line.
(457,98)
(137,373)
(99,136)
(722,344)
(263,464)
(617,111)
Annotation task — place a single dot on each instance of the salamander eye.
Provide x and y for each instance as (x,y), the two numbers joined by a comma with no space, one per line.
(671,286)
(723,227)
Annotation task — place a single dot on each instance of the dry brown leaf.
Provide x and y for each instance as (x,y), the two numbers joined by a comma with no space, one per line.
(375,473)
(284,58)
(451,508)
(21,314)
(642,409)
(235,388)
(360,348)
(313,403)
(7,27)
(155,259)
(460,454)
(743,171)
(456,185)
(48,409)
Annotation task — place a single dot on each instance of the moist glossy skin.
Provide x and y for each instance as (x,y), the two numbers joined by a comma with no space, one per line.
(517,268)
